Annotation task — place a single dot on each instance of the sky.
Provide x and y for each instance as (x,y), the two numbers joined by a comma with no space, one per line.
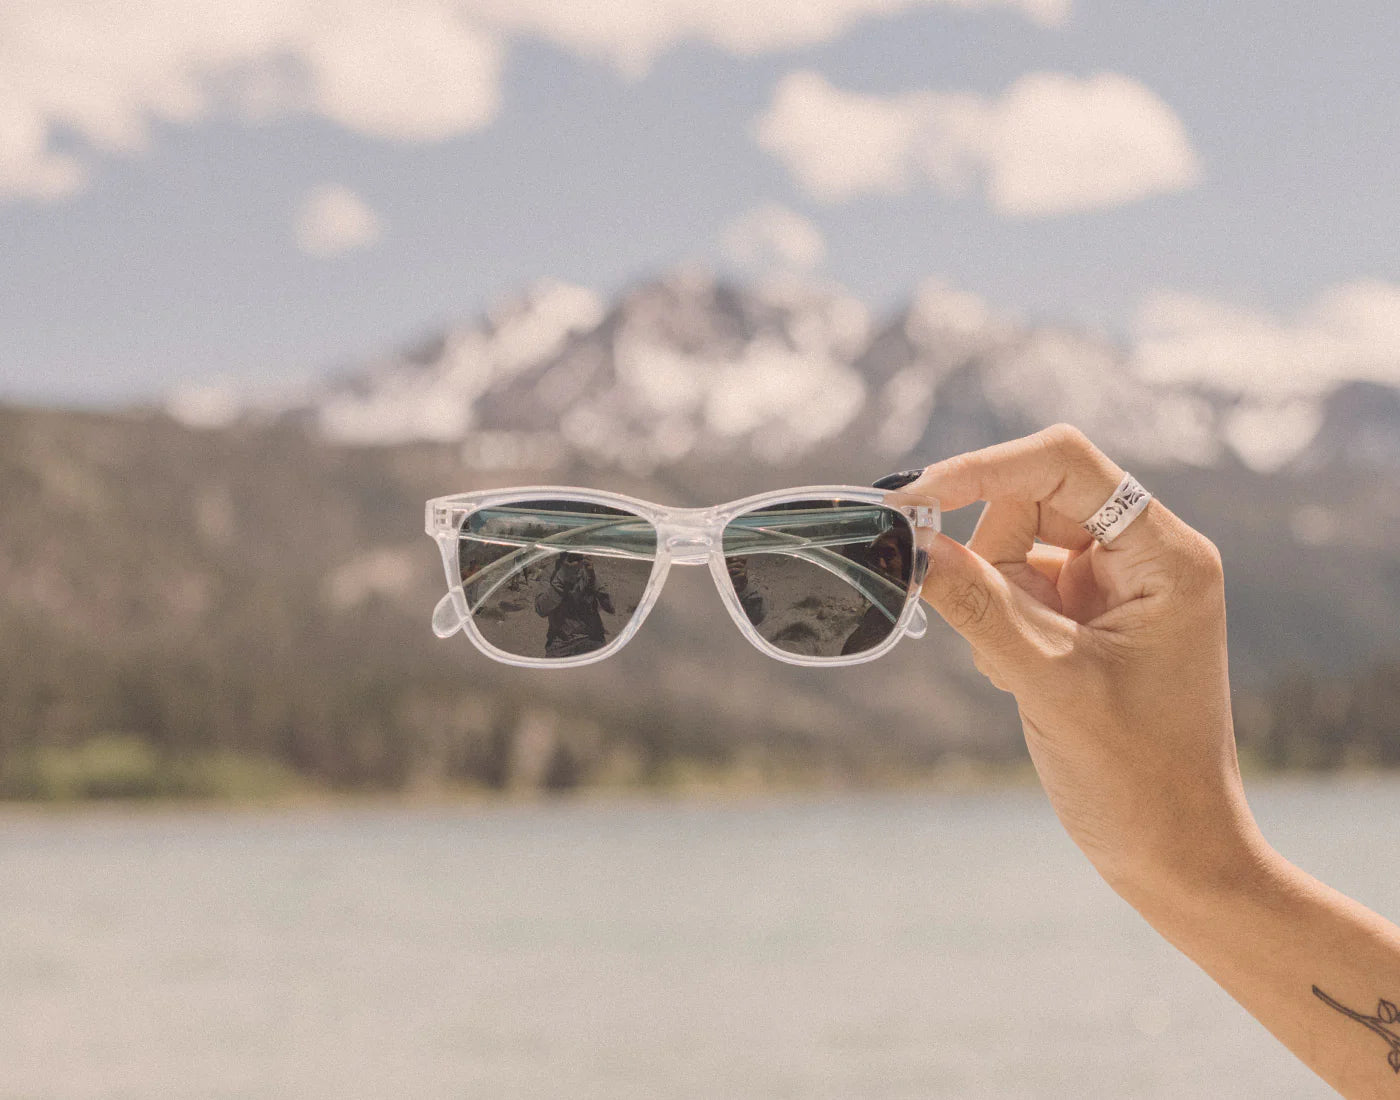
(262,190)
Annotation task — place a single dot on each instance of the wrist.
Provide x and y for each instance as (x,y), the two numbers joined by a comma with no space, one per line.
(1176,895)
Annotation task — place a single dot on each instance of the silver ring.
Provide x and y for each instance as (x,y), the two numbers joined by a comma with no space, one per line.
(1124,506)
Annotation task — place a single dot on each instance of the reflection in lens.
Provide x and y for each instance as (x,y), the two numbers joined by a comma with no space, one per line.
(821,578)
(554,578)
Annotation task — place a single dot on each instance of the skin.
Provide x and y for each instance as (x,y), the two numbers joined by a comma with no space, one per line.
(1117,658)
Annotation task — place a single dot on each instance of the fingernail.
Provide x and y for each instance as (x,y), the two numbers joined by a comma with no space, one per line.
(898,480)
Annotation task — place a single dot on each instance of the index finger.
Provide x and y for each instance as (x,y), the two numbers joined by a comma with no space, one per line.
(1061,471)
(1070,480)
(1057,467)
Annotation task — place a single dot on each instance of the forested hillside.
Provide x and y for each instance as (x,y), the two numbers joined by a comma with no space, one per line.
(212,611)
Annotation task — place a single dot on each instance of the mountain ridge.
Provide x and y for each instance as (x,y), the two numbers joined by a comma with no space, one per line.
(688,367)
(252,576)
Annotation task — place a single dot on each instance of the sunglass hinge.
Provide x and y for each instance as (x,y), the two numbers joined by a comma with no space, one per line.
(445,517)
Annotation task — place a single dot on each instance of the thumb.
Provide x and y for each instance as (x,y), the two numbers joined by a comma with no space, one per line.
(995,616)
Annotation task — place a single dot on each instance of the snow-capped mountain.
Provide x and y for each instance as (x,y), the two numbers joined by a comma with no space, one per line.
(686,366)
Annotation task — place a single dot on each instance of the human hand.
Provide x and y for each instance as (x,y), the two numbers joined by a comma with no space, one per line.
(1116,656)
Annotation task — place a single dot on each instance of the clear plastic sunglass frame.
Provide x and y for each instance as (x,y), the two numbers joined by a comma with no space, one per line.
(684,536)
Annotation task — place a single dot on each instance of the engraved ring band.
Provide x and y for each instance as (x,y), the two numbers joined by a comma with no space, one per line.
(1125,505)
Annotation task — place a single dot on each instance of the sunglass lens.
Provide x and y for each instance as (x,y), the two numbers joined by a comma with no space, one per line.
(821,578)
(554,578)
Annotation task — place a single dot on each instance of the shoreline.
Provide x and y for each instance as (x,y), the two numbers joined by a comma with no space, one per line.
(951,781)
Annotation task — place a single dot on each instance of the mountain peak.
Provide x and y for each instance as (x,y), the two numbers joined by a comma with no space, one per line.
(689,366)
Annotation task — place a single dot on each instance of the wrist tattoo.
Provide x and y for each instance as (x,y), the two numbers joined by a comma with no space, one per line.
(1385,1023)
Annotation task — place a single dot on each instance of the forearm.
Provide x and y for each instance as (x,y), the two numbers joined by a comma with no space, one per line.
(1270,934)
(1114,644)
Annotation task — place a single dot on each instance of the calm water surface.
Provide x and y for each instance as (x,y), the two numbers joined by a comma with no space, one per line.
(872,947)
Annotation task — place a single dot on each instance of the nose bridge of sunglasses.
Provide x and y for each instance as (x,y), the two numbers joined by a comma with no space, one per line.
(688,541)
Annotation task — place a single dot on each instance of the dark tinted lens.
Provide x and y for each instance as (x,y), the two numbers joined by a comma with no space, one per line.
(554,578)
(821,578)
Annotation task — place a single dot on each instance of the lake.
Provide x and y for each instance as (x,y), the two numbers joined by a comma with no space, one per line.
(842,946)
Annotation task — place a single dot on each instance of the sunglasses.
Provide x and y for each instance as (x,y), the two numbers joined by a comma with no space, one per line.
(552,577)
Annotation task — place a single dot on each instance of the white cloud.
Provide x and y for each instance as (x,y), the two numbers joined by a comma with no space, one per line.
(771,236)
(841,144)
(106,69)
(332,220)
(416,70)
(1351,331)
(1051,144)
(1055,143)
(423,74)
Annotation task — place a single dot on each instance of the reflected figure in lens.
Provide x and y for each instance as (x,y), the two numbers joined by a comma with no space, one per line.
(885,556)
(571,601)
(749,599)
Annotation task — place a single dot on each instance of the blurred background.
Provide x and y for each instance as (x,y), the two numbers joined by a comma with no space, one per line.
(274,272)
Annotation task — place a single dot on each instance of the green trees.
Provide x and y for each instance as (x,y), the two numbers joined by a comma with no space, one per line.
(1323,723)
(195,613)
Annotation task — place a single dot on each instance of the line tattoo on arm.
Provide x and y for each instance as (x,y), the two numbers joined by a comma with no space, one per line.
(1385,1023)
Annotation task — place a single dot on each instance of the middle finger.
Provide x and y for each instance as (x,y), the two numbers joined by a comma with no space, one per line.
(1008,528)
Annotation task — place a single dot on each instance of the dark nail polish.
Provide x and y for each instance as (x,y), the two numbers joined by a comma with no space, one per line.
(899,480)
